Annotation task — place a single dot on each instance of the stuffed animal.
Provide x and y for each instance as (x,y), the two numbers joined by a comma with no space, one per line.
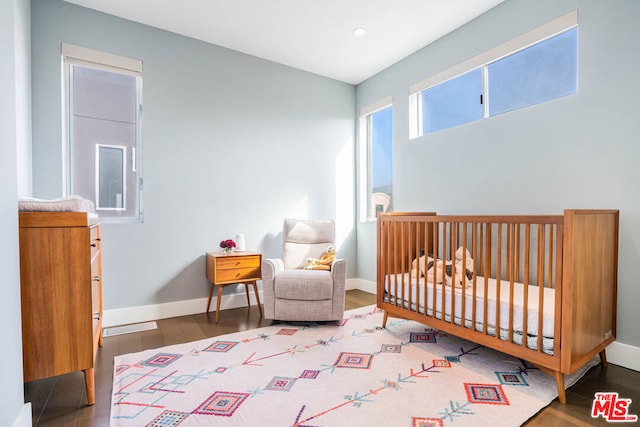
(427,266)
(322,263)
(462,277)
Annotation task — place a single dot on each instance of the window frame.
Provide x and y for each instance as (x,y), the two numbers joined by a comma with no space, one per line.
(71,56)
(366,156)
(522,42)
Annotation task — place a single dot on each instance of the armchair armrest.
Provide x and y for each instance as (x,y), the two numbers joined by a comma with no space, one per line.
(269,269)
(339,273)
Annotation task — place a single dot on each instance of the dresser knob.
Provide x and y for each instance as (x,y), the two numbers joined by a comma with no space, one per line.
(96,316)
(93,245)
(96,278)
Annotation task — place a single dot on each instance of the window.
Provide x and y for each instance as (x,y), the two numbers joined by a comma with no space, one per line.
(452,103)
(536,67)
(376,159)
(102,143)
(539,73)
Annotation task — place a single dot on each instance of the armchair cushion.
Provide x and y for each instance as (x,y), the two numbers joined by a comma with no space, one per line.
(303,239)
(305,285)
(308,230)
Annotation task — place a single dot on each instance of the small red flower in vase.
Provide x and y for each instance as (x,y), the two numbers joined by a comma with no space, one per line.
(227,246)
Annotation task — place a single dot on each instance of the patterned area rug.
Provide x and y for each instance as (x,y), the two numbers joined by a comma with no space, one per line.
(345,373)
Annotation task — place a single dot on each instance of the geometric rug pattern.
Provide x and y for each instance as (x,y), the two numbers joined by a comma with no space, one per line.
(351,372)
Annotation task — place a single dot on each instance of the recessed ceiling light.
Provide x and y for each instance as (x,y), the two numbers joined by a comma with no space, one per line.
(359,32)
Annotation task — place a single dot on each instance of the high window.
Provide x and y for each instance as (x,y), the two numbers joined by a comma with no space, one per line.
(452,103)
(376,177)
(536,67)
(102,159)
(539,73)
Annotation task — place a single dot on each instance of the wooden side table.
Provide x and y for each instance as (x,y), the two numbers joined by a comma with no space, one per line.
(228,269)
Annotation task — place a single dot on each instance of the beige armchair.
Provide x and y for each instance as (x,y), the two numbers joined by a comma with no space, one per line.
(291,293)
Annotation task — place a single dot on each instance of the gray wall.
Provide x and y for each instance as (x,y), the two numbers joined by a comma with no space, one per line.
(232,144)
(14,125)
(580,151)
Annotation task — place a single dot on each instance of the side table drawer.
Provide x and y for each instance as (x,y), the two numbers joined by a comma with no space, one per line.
(237,262)
(238,274)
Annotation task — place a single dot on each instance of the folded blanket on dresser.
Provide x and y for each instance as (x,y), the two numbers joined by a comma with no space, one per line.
(62,204)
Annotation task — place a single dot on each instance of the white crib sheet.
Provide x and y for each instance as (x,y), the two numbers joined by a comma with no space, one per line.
(406,284)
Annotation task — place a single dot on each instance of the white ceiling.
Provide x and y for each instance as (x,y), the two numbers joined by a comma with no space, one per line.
(311,35)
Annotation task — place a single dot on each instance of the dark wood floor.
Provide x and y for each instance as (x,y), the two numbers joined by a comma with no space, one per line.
(61,401)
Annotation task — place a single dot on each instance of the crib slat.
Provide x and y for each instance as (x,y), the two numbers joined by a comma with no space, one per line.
(395,263)
(436,248)
(463,306)
(426,255)
(525,302)
(415,292)
(406,241)
(474,255)
(551,249)
(498,278)
(403,238)
(403,244)
(443,272)
(454,238)
(511,238)
(452,242)
(558,294)
(487,272)
(481,250)
(518,237)
(540,280)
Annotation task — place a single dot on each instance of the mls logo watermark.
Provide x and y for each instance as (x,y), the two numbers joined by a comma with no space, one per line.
(612,408)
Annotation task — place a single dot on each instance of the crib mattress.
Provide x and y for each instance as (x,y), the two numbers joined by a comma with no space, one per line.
(411,292)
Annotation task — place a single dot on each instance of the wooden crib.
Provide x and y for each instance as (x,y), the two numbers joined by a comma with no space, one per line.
(561,270)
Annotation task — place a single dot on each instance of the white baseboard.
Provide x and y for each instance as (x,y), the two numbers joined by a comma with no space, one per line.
(146,313)
(624,355)
(24,417)
(361,284)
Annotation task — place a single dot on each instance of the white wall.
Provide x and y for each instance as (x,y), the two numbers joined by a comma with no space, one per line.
(232,144)
(580,151)
(14,123)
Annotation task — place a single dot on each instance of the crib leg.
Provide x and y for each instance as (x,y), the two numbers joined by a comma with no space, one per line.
(384,319)
(603,358)
(562,395)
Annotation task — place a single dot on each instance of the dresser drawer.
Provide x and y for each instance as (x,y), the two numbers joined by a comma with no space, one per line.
(234,262)
(96,283)
(238,275)
(95,241)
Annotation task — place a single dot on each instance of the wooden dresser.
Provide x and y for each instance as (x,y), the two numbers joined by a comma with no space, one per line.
(61,292)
